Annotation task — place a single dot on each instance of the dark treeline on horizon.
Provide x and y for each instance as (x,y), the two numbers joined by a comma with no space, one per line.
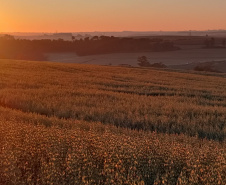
(23,49)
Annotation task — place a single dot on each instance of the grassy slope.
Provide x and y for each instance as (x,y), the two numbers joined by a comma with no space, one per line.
(51,127)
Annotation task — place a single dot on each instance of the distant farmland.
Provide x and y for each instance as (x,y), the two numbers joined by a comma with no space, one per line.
(86,124)
(187,55)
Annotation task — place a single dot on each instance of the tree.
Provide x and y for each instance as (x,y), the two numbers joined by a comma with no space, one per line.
(143,61)
(158,65)
(95,38)
(8,37)
(86,39)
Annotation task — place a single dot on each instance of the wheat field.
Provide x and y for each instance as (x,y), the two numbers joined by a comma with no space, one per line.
(87,124)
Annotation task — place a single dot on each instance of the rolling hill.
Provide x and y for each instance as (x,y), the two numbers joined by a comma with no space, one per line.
(87,124)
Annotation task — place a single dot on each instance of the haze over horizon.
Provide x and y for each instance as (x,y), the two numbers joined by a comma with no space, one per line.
(111,15)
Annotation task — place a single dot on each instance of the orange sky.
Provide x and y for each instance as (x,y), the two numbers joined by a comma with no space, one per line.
(111,15)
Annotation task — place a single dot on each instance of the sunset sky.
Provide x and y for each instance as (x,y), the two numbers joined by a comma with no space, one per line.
(111,15)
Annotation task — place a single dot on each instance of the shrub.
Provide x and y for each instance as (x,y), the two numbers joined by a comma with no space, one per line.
(143,61)
(205,67)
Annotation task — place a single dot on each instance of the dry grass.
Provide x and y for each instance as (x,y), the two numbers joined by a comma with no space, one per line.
(52,131)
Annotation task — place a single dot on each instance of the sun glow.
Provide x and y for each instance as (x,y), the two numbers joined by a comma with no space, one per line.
(111,15)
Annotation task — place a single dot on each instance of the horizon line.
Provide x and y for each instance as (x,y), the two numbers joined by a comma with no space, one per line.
(111,31)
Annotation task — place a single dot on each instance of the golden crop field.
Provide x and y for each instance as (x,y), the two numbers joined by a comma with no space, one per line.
(84,124)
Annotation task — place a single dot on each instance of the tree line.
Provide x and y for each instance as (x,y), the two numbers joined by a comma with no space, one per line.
(12,48)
